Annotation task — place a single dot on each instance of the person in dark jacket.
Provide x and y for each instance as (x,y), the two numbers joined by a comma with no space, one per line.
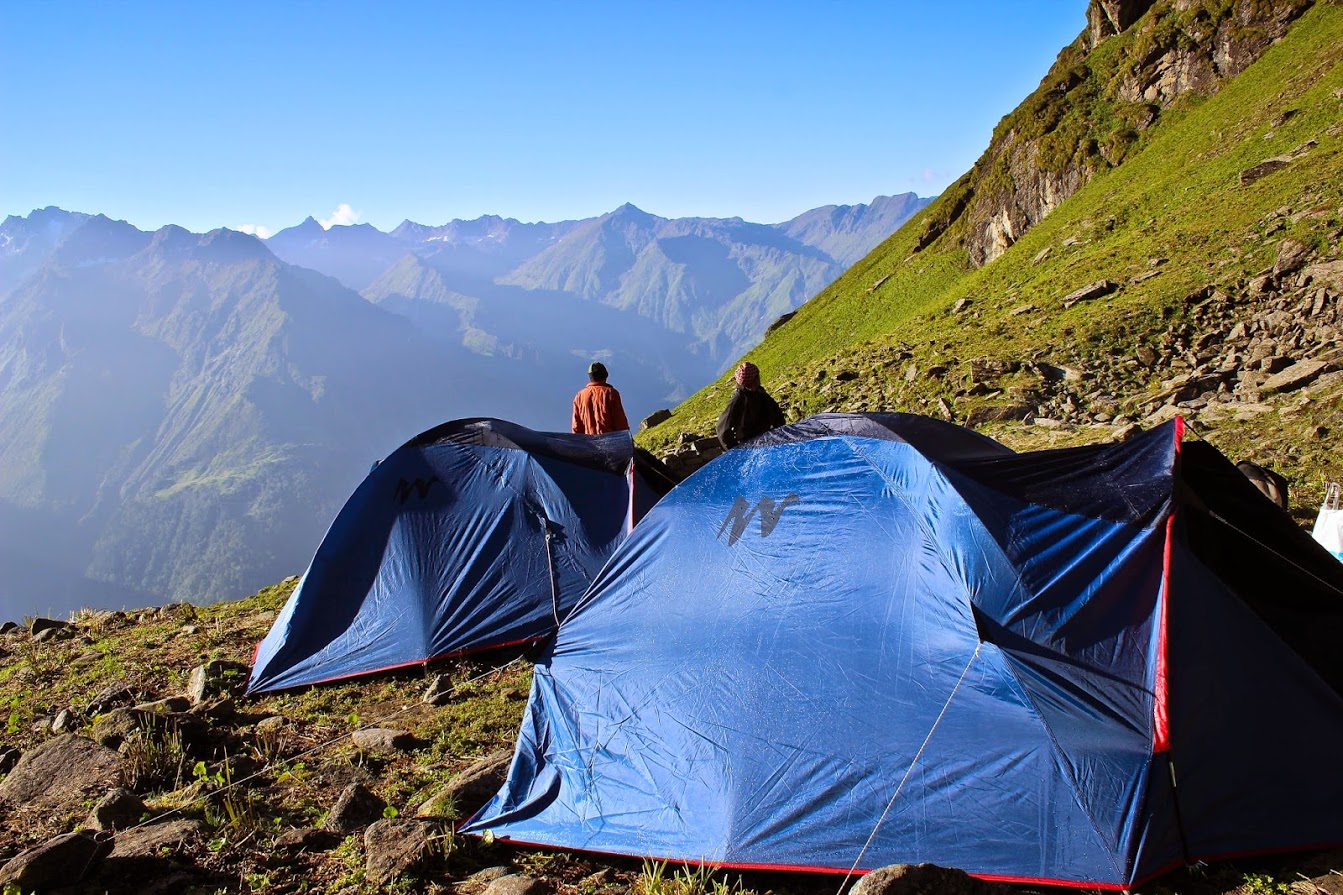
(597,407)
(750,412)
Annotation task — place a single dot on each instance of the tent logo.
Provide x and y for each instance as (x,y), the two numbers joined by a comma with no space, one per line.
(420,486)
(740,516)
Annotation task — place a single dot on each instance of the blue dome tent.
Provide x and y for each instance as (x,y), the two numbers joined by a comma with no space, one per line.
(476,534)
(867,640)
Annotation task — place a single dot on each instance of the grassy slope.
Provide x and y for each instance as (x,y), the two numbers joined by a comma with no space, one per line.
(1176,196)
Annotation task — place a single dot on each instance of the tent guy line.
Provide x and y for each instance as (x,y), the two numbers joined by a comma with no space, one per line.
(909,770)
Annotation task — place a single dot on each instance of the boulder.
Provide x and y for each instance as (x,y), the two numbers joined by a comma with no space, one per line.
(394,846)
(383,739)
(1089,292)
(1329,273)
(39,625)
(168,706)
(440,690)
(56,863)
(112,729)
(358,806)
(1295,376)
(516,884)
(924,879)
(216,678)
(656,418)
(470,788)
(48,634)
(150,840)
(308,839)
(9,756)
(1263,169)
(61,773)
(117,810)
(110,697)
(1292,256)
(9,628)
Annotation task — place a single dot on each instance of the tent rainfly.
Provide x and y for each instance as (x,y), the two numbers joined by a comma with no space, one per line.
(476,534)
(868,640)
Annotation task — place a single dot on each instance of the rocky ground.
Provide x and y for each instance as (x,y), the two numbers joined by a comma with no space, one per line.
(133,763)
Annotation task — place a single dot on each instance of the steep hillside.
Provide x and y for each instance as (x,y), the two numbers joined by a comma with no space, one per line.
(1211,246)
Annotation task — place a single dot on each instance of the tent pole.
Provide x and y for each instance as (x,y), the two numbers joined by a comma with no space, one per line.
(550,564)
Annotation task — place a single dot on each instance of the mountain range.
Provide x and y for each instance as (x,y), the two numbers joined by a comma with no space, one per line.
(182,414)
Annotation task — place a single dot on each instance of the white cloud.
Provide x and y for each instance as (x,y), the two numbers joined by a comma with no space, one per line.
(929,175)
(343,216)
(260,231)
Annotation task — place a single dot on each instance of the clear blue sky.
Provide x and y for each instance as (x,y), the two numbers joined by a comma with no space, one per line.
(222,114)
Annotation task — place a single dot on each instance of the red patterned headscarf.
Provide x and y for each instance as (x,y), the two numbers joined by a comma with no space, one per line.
(748,376)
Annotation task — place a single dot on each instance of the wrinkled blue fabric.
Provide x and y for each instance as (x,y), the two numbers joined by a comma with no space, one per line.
(475,534)
(839,633)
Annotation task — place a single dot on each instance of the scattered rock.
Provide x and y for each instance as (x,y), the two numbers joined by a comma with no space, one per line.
(111,696)
(39,625)
(1295,376)
(1042,254)
(112,729)
(1089,292)
(1292,256)
(655,418)
(924,879)
(63,721)
(357,807)
(143,842)
(308,839)
(170,705)
(383,739)
(470,789)
(61,773)
(440,690)
(394,846)
(993,413)
(49,634)
(1329,272)
(1023,309)
(846,375)
(215,678)
(791,314)
(117,810)
(516,884)
(270,724)
(9,756)
(56,863)
(961,305)
(9,627)
(477,881)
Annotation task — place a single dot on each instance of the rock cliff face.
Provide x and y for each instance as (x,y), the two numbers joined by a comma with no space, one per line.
(1133,61)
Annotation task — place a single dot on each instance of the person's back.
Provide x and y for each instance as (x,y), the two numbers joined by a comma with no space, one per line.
(597,406)
(750,412)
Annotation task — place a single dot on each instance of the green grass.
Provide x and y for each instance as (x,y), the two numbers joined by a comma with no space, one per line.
(1175,196)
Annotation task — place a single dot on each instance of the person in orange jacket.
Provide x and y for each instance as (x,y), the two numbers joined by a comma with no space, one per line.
(597,407)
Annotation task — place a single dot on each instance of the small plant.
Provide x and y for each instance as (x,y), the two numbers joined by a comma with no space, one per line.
(1265,884)
(702,880)
(236,807)
(154,757)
